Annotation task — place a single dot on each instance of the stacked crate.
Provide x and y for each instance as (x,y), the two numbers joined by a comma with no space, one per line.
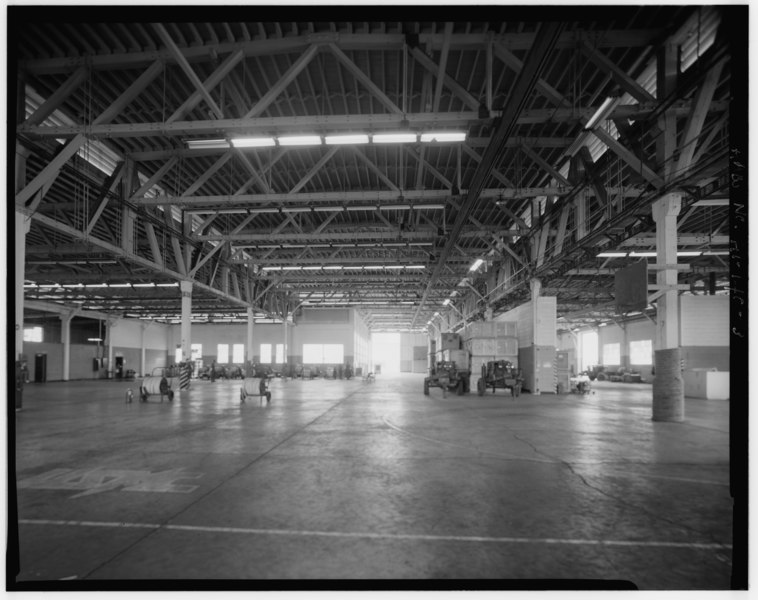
(490,340)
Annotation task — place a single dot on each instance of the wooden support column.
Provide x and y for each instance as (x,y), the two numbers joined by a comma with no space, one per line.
(668,386)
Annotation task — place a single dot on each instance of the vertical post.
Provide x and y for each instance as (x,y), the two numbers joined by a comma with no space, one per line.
(186,288)
(21,228)
(66,341)
(109,341)
(284,348)
(535,285)
(250,326)
(142,348)
(668,386)
(23,224)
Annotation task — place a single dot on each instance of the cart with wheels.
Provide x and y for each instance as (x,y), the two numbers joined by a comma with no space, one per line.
(254,387)
(156,384)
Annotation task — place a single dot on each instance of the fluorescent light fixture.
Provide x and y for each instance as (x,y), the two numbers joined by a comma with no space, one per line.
(446,302)
(257,142)
(309,268)
(151,284)
(394,138)
(300,140)
(333,268)
(94,339)
(643,254)
(353,138)
(477,263)
(612,255)
(96,285)
(415,267)
(168,284)
(605,109)
(395,267)
(716,253)
(372,267)
(72,285)
(207,144)
(689,253)
(120,285)
(291,268)
(271,268)
(602,324)
(444,136)
(34,285)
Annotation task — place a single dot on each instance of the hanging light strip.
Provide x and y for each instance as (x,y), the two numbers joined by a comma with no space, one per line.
(396,137)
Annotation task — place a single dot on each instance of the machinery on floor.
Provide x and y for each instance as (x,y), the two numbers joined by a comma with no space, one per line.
(500,374)
(252,386)
(448,376)
(156,385)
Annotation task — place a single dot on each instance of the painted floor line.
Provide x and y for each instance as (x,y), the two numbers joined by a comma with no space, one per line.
(388,536)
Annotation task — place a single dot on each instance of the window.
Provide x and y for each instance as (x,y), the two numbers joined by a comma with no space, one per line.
(33,334)
(238,353)
(265,354)
(178,355)
(611,354)
(641,352)
(280,354)
(323,354)
(196,350)
(223,353)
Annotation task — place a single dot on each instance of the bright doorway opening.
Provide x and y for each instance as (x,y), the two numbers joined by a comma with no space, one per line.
(385,351)
(588,349)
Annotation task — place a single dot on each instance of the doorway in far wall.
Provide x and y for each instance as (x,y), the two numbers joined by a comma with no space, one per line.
(588,349)
(385,350)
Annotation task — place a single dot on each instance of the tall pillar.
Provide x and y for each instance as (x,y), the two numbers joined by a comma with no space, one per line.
(250,325)
(23,224)
(66,341)
(284,348)
(21,228)
(531,375)
(109,342)
(186,288)
(668,385)
(535,286)
(142,364)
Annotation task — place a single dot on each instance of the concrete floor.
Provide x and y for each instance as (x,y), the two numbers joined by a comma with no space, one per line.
(352,480)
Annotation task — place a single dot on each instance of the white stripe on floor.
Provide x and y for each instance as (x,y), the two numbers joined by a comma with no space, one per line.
(388,536)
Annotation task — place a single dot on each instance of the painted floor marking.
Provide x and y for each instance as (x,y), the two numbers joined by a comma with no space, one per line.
(387,536)
(95,481)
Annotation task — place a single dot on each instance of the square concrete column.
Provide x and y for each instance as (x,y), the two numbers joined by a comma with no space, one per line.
(22,225)
(142,364)
(668,385)
(250,326)
(66,341)
(186,288)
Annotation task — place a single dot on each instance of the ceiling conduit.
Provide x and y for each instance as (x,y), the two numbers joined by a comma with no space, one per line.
(536,60)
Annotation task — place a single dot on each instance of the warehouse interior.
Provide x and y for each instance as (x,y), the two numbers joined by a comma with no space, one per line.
(384,302)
